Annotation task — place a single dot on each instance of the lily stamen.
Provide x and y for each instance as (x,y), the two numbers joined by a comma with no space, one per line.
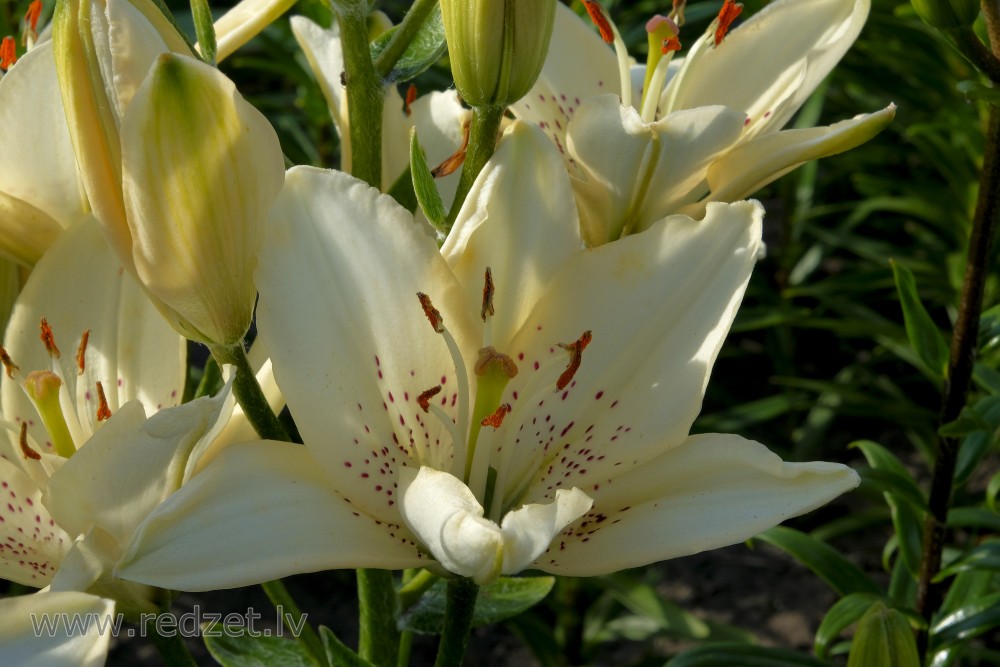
(48,338)
(730,10)
(8,364)
(610,34)
(26,449)
(81,351)
(8,53)
(575,350)
(103,410)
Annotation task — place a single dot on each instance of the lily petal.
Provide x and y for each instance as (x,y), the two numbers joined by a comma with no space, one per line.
(22,644)
(528,530)
(754,164)
(31,544)
(244,21)
(769,65)
(269,507)
(712,491)
(79,285)
(522,199)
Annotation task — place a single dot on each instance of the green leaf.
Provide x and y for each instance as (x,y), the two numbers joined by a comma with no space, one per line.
(427,47)
(971,620)
(974,517)
(424,186)
(728,655)
(844,612)
(924,335)
(992,490)
(642,599)
(974,90)
(842,575)
(233,646)
(986,556)
(505,597)
(338,653)
(883,638)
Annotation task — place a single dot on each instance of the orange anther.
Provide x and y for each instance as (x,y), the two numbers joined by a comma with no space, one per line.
(433,316)
(455,160)
(575,350)
(488,291)
(103,411)
(26,449)
(8,53)
(411,97)
(496,419)
(8,364)
(424,399)
(81,351)
(32,15)
(600,20)
(48,339)
(730,10)
(672,44)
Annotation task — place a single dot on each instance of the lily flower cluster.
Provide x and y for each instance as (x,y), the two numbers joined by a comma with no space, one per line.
(518,398)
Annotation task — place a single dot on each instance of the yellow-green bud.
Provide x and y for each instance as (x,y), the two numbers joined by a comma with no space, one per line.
(883,638)
(497,47)
(947,14)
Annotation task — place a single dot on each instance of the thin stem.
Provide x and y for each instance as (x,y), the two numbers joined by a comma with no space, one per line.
(968,43)
(170,646)
(961,363)
(991,16)
(405,32)
(249,394)
(378,640)
(482,142)
(364,92)
(458,608)
(292,616)
(414,588)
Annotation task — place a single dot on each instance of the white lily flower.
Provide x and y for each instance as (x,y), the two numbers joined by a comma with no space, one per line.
(529,409)
(633,165)
(438,116)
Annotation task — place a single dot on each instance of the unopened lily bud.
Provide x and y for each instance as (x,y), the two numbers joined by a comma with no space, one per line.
(497,47)
(947,14)
(201,167)
(883,637)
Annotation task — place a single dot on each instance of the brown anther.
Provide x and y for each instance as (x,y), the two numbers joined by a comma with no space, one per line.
(488,291)
(48,339)
(8,364)
(433,316)
(424,399)
(488,356)
(456,159)
(81,351)
(411,97)
(730,10)
(26,449)
(8,53)
(677,13)
(600,20)
(103,411)
(496,419)
(575,350)
(672,44)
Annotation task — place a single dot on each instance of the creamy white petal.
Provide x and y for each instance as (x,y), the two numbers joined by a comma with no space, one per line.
(42,169)
(31,544)
(520,220)
(448,521)
(26,643)
(659,305)
(134,46)
(579,64)
(261,511)
(712,491)
(353,350)
(79,285)
(244,21)
(325,56)
(633,173)
(769,65)
(528,530)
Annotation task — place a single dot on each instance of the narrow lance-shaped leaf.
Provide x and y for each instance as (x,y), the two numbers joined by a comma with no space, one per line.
(424,186)
(842,575)
(845,612)
(883,638)
(924,335)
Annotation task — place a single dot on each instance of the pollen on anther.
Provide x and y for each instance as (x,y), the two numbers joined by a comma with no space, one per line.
(424,400)
(103,411)
(8,53)
(669,45)
(26,449)
(8,364)
(432,313)
(575,350)
(596,13)
(48,338)
(488,291)
(496,419)
(730,10)
(81,351)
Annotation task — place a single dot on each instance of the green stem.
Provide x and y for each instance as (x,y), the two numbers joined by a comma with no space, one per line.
(405,32)
(170,647)
(482,143)
(414,588)
(293,616)
(378,639)
(249,394)
(961,364)
(991,16)
(968,43)
(458,608)
(364,92)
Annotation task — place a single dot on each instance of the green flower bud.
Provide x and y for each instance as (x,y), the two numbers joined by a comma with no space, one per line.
(947,14)
(497,47)
(883,638)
